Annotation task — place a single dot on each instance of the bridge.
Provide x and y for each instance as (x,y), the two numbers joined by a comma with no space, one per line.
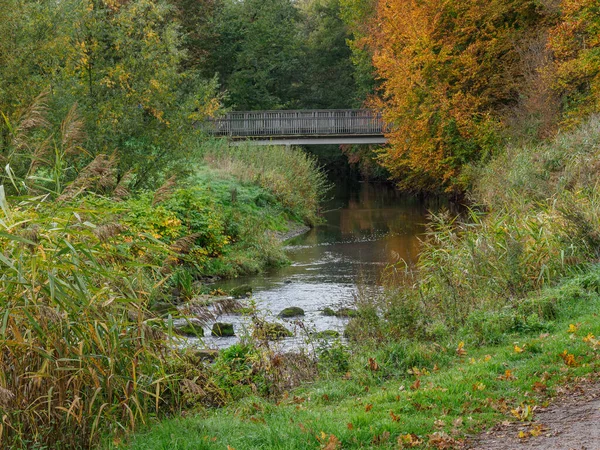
(300,127)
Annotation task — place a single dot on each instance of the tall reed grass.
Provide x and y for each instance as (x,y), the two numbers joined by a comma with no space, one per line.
(78,355)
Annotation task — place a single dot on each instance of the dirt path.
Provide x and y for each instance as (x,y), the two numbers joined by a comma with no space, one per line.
(571,422)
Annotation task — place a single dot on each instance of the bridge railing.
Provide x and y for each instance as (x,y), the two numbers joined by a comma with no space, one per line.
(297,123)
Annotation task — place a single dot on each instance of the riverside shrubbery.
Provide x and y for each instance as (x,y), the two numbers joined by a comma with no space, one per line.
(479,273)
(82,350)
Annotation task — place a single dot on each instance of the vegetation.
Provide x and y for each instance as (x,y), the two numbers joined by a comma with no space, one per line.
(459,79)
(115,210)
(498,314)
(410,394)
(90,267)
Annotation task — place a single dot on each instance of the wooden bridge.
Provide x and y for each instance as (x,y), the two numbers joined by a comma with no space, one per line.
(300,127)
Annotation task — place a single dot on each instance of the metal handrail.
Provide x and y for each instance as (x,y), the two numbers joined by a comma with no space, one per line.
(320,122)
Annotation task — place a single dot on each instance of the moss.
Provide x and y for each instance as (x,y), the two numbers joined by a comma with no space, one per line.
(292,311)
(271,331)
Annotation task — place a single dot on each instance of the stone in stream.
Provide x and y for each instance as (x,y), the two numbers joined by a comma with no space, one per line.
(270,331)
(292,311)
(206,354)
(188,327)
(222,329)
(346,312)
(328,312)
(327,334)
(241,291)
(342,312)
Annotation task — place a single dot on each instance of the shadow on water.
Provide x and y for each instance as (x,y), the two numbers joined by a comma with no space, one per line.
(366,228)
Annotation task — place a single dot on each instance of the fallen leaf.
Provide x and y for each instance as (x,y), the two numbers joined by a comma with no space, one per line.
(369,407)
(442,441)
(487,358)
(373,365)
(508,375)
(350,426)
(411,440)
(537,430)
(568,358)
(416,384)
(460,350)
(380,439)
(523,412)
(395,418)
(518,349)
(572,328)
(478,386)
(333,443)
(522,435)
(539,387)
(439,423)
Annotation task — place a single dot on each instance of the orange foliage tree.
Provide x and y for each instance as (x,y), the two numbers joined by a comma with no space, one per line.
(575,41)
(447,68)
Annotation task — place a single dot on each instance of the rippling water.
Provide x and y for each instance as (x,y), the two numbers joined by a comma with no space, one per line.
(367,227)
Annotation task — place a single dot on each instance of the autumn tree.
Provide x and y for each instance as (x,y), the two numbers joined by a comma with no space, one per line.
(448,70)
(575,41)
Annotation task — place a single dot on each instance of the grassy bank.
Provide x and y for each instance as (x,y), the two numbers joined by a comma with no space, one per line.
(88,268)
(500,310)
(410,394)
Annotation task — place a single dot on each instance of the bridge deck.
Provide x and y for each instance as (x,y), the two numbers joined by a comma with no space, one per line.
(334,124)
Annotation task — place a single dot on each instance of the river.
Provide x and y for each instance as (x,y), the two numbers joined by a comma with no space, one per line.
(367,227)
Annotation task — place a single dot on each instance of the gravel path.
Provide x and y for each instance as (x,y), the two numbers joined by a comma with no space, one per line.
(571,422)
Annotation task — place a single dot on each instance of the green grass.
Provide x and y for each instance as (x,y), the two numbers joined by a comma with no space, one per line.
(458,394)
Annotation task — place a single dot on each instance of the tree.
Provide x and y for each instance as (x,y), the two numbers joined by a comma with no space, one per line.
(257,54)
(448,69)
(327,80)
(575,41)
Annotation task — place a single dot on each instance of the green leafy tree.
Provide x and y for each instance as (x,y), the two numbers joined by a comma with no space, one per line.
(327,80)
(258,52)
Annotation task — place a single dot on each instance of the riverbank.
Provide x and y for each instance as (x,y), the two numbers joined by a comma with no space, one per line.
(92,277)
(501,311)
(405,395)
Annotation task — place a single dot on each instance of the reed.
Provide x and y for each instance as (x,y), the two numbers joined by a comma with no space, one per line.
(78,354)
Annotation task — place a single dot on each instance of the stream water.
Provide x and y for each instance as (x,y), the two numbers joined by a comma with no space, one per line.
(366,228)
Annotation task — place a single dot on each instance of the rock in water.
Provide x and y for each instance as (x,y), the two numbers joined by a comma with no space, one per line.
(188,327)
(222,329)
(293,311)
(327,334)
(271,331)
(346,312)
(328,312)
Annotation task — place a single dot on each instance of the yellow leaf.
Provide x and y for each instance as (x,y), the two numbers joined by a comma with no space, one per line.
(572,328)
(522,435)
(589,338)
(518,349)
(536,430)
(460,350)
